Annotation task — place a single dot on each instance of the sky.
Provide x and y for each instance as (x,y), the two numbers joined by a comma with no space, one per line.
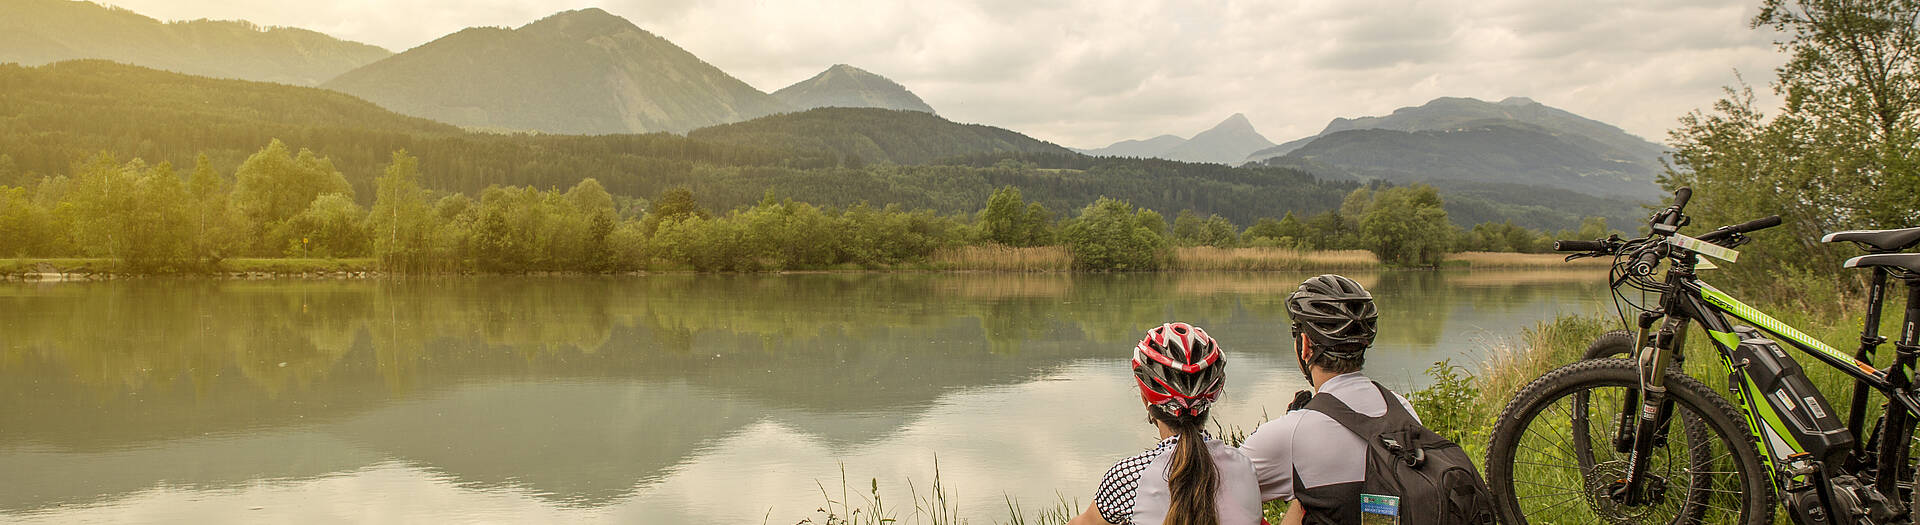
(1086,73)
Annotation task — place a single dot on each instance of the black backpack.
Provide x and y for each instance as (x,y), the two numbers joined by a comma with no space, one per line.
(1433,479)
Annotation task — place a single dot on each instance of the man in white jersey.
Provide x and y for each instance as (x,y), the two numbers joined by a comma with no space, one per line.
(1306,458)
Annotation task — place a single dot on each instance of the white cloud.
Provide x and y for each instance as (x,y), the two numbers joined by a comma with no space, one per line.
(1090,72)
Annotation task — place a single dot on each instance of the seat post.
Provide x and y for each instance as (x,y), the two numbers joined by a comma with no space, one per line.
(1870,341)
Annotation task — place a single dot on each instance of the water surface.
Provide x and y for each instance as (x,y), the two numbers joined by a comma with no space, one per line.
(660,399)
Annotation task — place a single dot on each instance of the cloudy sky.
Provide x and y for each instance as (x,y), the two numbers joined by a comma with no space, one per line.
(1085,73)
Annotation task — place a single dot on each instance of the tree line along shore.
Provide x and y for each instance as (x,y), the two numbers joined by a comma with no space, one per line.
(281,207)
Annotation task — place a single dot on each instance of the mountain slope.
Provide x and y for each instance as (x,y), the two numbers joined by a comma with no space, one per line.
(845,86)
(874,135)
(35,32)
(1227,143)
(579,72)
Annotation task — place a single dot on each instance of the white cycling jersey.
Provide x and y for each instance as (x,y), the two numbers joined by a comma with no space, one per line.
(1135,491)
(1314,447)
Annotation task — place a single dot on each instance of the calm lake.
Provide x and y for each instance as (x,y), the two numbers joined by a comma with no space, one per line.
(660,399)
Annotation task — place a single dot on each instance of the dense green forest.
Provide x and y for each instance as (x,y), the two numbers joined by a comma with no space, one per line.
(285,203)
(55,116)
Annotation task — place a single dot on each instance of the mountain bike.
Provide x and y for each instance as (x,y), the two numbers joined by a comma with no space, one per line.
(1637,440)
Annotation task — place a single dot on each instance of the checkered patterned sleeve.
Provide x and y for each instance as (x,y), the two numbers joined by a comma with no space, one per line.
(1118,487)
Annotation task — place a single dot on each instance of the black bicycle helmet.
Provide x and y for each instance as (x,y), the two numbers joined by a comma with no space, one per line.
(1336,314)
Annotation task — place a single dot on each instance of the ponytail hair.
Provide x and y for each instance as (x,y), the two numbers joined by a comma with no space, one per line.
(1192,477)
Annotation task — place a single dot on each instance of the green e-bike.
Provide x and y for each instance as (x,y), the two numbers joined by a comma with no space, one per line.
(1636,440)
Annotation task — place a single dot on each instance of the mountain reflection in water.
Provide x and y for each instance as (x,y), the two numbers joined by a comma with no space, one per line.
(653,399)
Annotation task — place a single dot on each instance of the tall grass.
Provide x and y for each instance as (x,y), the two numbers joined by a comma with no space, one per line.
(1208,258)
(996,258)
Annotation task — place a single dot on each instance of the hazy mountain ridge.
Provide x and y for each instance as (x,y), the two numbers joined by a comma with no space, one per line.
(846,86)
(1225,143)
(36,32)
(575,72)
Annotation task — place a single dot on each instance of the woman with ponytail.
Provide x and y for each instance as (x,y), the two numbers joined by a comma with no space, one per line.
(1189,478)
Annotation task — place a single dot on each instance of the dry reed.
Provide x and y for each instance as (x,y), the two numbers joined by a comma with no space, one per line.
(996,258)
(1208,258)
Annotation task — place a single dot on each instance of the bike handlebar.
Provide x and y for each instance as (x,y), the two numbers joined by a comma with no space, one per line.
(1681,196)
(1580,246)
(1753,225)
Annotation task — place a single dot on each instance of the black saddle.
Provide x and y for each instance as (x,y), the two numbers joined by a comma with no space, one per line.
(1878,241)
(1905,261)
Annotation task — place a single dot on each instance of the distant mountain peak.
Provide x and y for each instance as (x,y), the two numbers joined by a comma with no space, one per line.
(588,22)
(847,86)
(584,71)
(1517,101)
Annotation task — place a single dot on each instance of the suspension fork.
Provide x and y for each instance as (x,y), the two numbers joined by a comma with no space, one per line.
(1655,410)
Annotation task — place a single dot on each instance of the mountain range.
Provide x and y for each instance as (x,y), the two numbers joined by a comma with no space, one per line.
(1225,143)
(589,72)
(35,32)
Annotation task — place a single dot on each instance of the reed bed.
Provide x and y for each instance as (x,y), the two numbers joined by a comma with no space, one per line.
(996,258)
(1208,258)
(1487,260)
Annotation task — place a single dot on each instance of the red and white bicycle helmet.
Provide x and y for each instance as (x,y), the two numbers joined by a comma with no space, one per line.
(1179,368)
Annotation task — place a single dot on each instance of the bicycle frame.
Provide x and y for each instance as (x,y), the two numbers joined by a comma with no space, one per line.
(1688,300)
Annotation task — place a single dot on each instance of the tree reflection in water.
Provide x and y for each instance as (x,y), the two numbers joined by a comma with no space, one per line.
(584,390)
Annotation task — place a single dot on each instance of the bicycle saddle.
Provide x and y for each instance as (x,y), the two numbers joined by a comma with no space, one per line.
(1878,240)
(1905,261)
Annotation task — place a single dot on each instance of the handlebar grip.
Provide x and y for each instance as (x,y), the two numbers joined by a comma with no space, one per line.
(1645,263)
(1681,196)
(1579,246)
(1753,225)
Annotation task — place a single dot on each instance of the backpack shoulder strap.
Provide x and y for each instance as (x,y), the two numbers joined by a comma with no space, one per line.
(1355,422)
(1395,410)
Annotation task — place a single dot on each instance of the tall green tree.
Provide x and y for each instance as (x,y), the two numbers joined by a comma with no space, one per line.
(1407,226)
(402,225)
(1113,235)
(217,227)
(274,185)
(1840,154)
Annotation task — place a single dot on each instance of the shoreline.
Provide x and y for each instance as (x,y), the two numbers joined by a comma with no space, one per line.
(1252,260)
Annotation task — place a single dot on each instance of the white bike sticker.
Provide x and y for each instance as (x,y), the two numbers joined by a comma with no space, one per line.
(1704,248)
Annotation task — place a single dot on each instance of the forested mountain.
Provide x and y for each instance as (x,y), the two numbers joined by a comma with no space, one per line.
(1226,143)
(35,32)
(844,86)
(576,72)
(1503,152)
(1515,140)
(859,135)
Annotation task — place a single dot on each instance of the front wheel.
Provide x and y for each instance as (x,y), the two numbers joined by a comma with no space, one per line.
(1711,472)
